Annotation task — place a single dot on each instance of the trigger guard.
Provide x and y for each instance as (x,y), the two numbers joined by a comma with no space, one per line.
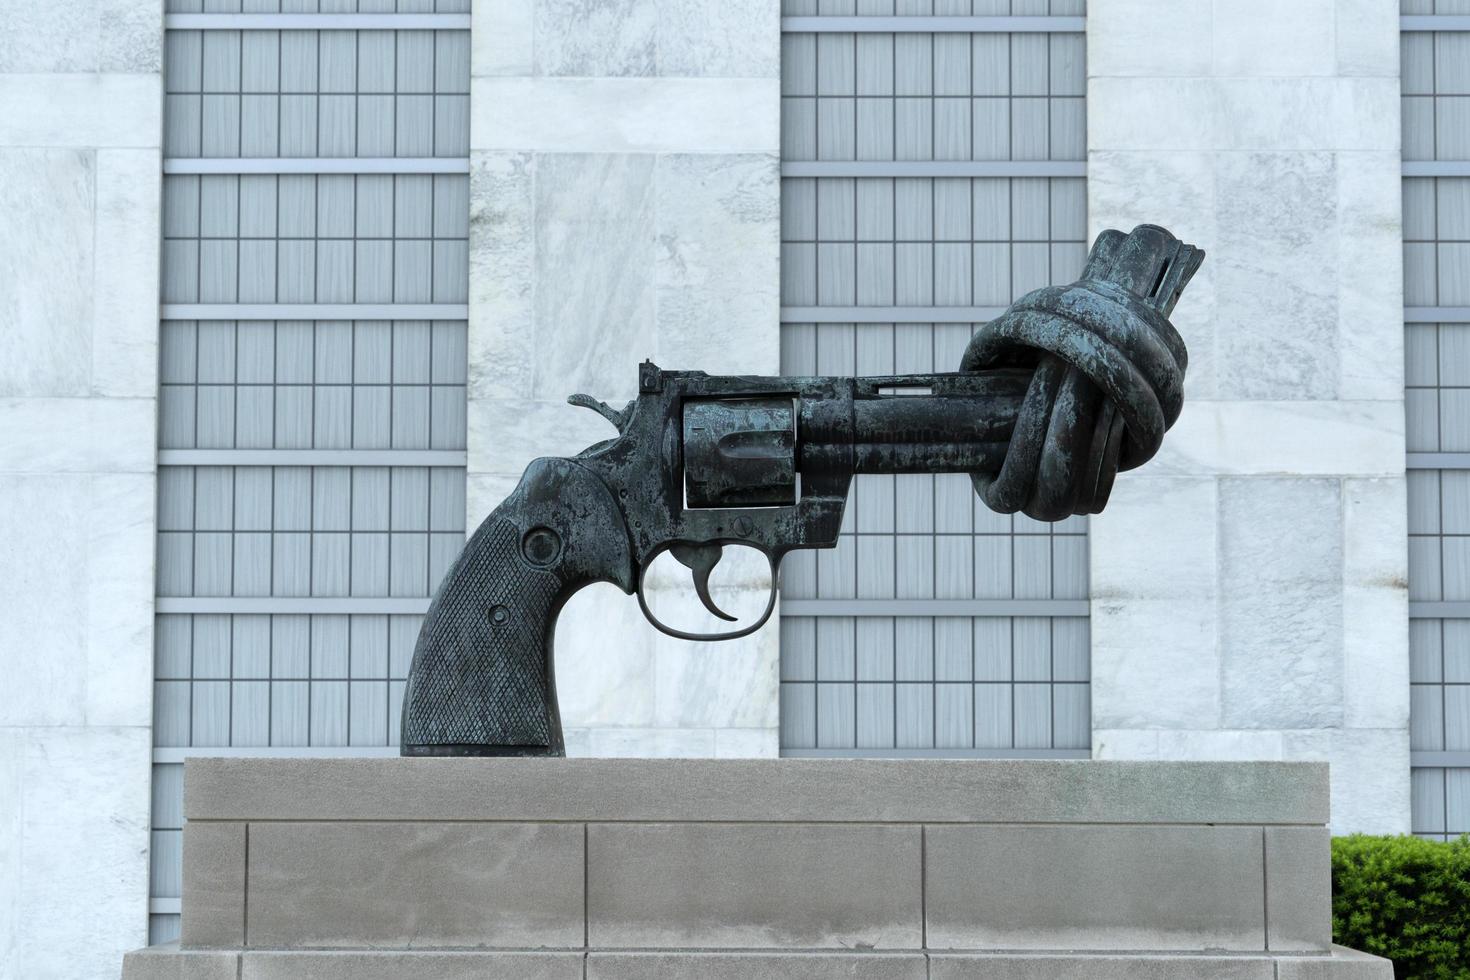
(707,637)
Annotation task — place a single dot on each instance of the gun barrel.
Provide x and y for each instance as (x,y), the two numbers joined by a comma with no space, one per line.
(934,433)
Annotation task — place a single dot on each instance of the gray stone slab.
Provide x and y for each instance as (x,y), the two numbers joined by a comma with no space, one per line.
(1298,889)
(754,886)
(1073,966)
(756,966)
(831,790)
(416,965)
(387,885)
(1095,888)
(214,885)
(168,962)
(1343,964)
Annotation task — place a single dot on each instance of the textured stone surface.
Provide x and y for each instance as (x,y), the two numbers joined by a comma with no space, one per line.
(417,965)
(74,814)
(168,962)
(1310,438)
(1130,888)
(214,884)
(584,38)
(625,115)
(360,884)
(1097,967)
(81,36)
(756,966)
(1281,606)
(124,350)
(47,213)
(731,885)
(1298,875)
(82,110)
(831,790)
(1345,964)
(714,208)
(1370,785)
(595,241)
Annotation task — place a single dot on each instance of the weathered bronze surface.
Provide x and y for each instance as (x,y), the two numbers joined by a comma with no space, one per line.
(1052,399)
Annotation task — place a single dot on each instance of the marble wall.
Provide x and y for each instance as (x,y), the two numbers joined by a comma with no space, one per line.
(1249,585)
(625,204)
(80,140)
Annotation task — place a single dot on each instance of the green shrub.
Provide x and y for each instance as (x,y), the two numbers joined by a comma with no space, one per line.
(1406,899)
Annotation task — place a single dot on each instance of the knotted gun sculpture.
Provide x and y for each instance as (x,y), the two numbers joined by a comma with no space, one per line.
(1052,399)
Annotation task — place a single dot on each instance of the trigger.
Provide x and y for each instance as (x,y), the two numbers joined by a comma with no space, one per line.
(701,559)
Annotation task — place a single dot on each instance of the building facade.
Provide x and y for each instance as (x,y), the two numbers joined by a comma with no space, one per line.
(294,289)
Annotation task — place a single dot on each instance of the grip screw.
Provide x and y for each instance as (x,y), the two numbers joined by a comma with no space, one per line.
(499,615)
(541,546)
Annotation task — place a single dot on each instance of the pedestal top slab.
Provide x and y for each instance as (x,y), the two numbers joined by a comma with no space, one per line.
(820,790)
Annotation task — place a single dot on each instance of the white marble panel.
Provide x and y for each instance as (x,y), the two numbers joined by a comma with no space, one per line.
(719,685)
(1157,540)
(1281,603)
(1131,38)
(1128,113)
(1317,438)
(747,743)
(1191,113)
(484,492)
(77,435)
(1276,275)
(1175,190)
(605,662)
(505,435)
(1124,743)
(81,36)
(662,743)
(1370,775)
(44,525)
(595,255)
(626,115)
(119,523)
(1267,37)
(84,839)
(125,298)
(1375,640)
(1367,37)
(595,38)
(718,265)
(1369,274)
(1375,533)
(502,36)
(502,252)
(1155,663)
(12,756)
(81,110)
(719,38)
(46,315)
(1307,114)
(1221,746)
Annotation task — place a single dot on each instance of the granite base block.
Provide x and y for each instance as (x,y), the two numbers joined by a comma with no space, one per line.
(172,963)
(603,869)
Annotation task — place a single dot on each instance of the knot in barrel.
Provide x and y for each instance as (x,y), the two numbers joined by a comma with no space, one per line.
(1107,375)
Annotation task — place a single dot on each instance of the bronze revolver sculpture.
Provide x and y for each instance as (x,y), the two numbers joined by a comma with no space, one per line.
(1052,399)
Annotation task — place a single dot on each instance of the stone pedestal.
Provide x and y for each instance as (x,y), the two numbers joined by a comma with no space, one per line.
(596,869)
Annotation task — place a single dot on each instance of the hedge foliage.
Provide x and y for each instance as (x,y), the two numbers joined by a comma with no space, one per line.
(1406,899)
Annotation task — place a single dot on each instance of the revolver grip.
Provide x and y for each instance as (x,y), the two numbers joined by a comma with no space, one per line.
(483,680)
